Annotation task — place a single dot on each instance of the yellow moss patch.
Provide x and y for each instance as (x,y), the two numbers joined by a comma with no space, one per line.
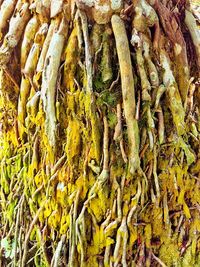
(73,139)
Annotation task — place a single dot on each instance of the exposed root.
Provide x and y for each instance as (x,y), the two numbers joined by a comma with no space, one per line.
(194,31)
(5,13)
(29,35)
(56,256)
(25,247)
(49,78)
(118,133)
(127,91)
(88,57)
(16,28)
(67,195)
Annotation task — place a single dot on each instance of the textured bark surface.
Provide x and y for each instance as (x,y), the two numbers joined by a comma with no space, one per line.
(99,133)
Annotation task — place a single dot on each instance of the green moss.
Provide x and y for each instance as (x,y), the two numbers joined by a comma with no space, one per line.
(107,98)
(112,119)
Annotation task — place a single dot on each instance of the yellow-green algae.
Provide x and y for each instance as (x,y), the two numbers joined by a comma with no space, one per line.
(30,168)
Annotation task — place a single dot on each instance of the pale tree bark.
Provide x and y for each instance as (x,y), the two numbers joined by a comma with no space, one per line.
(99,133)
